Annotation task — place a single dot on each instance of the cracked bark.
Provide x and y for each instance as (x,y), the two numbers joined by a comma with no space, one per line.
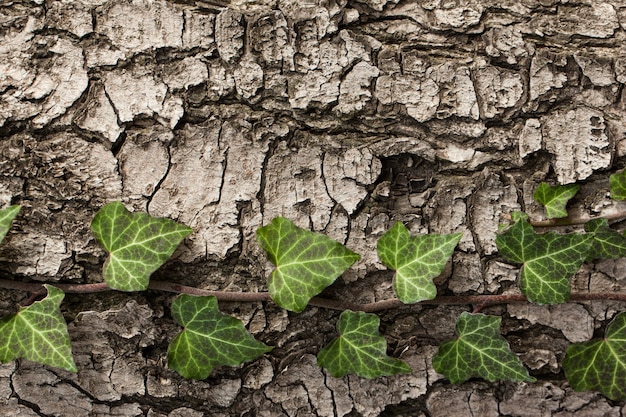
(344,116)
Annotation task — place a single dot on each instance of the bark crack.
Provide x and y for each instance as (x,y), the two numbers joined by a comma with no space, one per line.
(332,393)
(32,406)
(469,403)
(308,399)
(271,150)
(80,389)
(159,183)
(223,179)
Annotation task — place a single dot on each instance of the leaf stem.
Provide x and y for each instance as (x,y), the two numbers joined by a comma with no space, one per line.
(482,301)
(571,221)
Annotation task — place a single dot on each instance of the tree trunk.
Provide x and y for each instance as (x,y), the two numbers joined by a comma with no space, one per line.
(344,116)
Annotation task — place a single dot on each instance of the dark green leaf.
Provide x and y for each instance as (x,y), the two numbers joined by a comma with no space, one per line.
(548,259)
(38,333)
(360,349)
(555,197)
(138,244)
(416,260)
(479,351)
(600,364)
(607,243)
(617,185)
(6,218)
(210,338)
(306,262)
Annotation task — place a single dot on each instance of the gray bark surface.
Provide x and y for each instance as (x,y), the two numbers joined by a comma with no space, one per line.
(344,116)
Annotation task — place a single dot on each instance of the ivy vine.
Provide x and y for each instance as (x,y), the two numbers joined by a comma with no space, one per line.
(307,262)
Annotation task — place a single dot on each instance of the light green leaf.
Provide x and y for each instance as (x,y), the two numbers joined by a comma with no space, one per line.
(210,338)
(600,364)
(360,349)
(607,243)
(416,260)
(479,351)
(306,262)
(6,218)
(555,197)
(548,259)
(617,185)
(138,244)
(38,333)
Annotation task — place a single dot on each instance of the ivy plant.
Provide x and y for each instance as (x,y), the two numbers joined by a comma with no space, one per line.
(416,260)
(359,349)
(479,351)
(548,260)
(38,333)
(607,243)
(210,338)
(555,197)
(138,244)
(600,364)
(617,184)
(6,218)
(306,263)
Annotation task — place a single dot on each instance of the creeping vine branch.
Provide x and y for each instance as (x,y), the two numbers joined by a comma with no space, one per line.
(482,301)
(306,263)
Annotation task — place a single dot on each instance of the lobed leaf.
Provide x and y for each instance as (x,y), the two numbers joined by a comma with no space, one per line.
(600,364)
(138,244)
(38,333)
(210,338)
(416,260)
(360,349)
(6,218)
(607,243)
(554,198)
(617,185)
(306,262)
(548,259)
(479,351)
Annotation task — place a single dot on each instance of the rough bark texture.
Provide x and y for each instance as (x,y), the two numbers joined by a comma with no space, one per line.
(343,115)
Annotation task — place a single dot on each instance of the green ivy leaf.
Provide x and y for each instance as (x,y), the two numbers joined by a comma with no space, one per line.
(360,349)
(6,218)
(306,262)
(38,333)
(548,259)
(138,244)
(555,198)
(607,243)
(600,364)
(416,260)
(617,185)
(479,351)
(210,338)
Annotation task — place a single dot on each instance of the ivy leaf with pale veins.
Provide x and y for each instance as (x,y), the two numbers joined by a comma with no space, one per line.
(38,333)
(479,351)
(306,262)
(554,198)
(600,364)
(138,244)
(607,243)
(548,259)
(416,260)
(6,218)
(210,338)
(360,349)
(617,185)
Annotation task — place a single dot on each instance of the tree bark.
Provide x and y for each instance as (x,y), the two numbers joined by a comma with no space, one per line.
(344,116)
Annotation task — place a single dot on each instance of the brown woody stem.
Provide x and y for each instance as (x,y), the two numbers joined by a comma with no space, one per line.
(480,300)
(570,221)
